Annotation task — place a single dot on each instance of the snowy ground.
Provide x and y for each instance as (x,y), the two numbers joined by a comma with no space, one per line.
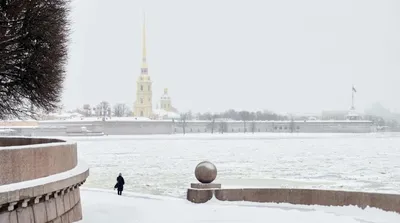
(164,164)
(105,207)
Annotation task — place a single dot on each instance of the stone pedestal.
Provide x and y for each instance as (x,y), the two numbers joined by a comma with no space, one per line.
(205,172)
(199,195)
(205,186)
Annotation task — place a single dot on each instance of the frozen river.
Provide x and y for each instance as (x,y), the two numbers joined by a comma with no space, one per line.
(164,165)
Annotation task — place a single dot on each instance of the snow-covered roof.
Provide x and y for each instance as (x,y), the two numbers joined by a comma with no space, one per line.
(167,114)
(84,119)
(352,113)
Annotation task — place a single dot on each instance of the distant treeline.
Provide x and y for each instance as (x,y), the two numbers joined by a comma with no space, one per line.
(379,121)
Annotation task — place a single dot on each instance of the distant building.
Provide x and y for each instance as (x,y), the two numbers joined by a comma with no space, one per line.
(334,115)
(165,102)
(143,106)
(166,110)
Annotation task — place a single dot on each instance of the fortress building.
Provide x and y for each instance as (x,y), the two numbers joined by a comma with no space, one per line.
(143,105)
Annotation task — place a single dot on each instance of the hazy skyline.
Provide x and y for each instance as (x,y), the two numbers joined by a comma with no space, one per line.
(285,56)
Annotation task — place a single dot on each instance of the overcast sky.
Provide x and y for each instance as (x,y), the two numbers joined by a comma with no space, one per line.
(285,56)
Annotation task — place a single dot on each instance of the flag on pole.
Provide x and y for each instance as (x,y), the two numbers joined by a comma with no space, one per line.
(354,89)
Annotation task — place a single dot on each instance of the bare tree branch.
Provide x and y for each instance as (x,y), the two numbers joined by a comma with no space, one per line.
(121,110)
(33,54)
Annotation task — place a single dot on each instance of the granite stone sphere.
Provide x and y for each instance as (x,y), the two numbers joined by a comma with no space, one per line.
(205,172)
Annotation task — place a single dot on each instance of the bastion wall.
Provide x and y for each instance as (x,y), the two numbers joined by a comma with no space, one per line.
(40,180)
(111,127)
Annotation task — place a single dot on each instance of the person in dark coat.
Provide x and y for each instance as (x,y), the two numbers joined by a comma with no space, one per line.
(120,184)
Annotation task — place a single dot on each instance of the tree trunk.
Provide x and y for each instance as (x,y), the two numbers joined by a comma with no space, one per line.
(184,126)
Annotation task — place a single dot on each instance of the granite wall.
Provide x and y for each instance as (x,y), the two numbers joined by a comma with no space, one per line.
(14,141)
(39,181)
(387,202)
(31,161)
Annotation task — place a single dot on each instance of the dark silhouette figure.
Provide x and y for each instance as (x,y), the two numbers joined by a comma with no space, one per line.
(120,184)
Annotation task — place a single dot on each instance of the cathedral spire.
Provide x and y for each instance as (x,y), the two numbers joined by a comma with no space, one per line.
(144,53)
(144,92)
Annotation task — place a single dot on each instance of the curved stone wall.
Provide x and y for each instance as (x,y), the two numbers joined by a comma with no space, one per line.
(39,181)
(387,202)
(17,141)
(24,159)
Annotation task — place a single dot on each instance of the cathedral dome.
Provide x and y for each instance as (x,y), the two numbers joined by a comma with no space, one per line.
(165,96)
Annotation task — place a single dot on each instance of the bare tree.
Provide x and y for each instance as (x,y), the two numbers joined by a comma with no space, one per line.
(79,111)
(211,125)
(292,125)
(223,127)
(244,115)
(121,110)
(253,126)
(103,109)
(87,110)
(189,115)
(129,112)
(183,120)
(109,112)
(33,54)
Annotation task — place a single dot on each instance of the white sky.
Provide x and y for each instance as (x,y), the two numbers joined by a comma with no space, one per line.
(285,56)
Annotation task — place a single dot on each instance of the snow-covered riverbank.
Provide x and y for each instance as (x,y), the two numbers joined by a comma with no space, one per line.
(103,206)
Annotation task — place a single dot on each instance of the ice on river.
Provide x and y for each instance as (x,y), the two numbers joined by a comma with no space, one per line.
(164,164)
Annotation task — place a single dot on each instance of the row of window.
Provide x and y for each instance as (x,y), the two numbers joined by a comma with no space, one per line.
(148,88)
(280,128)
(141,100)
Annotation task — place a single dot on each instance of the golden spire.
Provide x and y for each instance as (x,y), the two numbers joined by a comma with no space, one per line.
(144,55)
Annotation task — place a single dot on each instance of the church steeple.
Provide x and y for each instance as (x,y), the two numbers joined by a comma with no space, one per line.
(143,106)
(144,53)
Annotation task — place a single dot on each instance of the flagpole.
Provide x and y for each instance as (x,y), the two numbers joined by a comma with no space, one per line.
(352,98)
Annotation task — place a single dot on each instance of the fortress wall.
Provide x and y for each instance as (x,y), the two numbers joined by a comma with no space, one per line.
(137,127)
(233,127)
(284,127)
(111,127)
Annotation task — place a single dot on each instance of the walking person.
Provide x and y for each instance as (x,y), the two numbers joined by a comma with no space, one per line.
(120,184)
